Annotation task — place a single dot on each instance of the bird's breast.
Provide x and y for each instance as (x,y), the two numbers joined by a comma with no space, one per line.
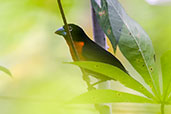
(79,47)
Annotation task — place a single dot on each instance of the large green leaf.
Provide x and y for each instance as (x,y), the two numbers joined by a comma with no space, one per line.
(133,42)
(114,73)
(108,96)
(5,70)
(166,73)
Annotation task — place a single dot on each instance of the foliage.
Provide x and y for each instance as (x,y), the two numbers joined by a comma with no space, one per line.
(136,46)
(108,96)
(133,42)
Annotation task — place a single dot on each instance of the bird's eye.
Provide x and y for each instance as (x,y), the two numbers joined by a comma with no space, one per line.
(70,28)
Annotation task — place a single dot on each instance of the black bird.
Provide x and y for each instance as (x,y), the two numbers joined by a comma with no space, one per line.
(88,50)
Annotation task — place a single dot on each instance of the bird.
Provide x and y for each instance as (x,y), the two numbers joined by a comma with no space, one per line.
(88,50)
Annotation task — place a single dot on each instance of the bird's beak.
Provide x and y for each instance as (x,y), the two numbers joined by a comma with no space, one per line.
(61,31)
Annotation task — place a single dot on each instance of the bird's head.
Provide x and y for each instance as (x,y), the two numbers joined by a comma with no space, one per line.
(77,33)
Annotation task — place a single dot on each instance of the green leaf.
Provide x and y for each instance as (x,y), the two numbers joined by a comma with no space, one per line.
(133,42)
(114,73)
(103,19)
(108,96)
(5,70)
(166,73)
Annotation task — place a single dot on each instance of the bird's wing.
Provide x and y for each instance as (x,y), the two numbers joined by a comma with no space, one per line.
(93,52)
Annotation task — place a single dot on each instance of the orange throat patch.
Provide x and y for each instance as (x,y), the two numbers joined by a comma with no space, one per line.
(79,46)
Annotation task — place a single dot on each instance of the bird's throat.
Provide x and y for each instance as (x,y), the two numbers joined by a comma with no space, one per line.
(79,46)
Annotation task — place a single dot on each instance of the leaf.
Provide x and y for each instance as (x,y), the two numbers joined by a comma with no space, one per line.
(114,73)
(108,96)
(103,19)
(166,73)
(5,70)
(133,42)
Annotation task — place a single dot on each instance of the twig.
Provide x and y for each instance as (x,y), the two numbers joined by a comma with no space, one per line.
(67,30)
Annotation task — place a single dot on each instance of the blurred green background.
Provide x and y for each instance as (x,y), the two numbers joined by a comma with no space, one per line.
(35,55)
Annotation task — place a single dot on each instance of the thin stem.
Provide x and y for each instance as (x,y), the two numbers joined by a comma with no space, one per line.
(162,108)
(67,30)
